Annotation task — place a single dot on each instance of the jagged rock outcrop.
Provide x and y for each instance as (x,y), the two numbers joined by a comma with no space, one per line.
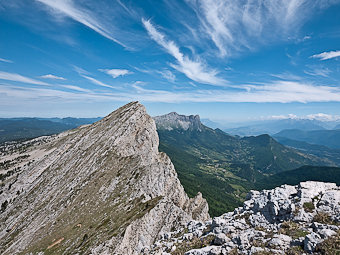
(173,121)
(286,220)
(98,189)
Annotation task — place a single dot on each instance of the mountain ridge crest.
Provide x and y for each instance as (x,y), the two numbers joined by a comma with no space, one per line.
(175,121)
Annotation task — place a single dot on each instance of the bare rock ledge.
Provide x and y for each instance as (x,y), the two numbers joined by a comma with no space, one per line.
(301,219)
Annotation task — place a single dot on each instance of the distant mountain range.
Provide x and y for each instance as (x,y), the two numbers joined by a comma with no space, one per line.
(329,138)
(320,151)
(224,167)
(14,129)
(274,126)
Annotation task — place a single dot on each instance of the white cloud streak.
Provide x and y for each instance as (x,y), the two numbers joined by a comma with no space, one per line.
(277,91)
(167,74)
(72,87)
(80,70)
(287,76)
(19,78)
(322,117)
(291,91)
(85,17)
(237,25)
(280,117)
(115,73)
(53,77)
(327,55)
(193,69)
(6,60)
(95,81)
(318,71)
(315,116)
(20,94)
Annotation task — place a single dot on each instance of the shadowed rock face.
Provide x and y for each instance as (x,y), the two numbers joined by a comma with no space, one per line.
(101,189)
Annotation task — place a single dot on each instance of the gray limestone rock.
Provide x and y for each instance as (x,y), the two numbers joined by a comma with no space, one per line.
(174,121)
(102,189)
(272,222)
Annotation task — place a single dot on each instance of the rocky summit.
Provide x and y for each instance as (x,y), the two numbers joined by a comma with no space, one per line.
(173,121)
(98,189)
(300,219)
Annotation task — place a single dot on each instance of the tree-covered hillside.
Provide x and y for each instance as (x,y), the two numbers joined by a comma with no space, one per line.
(224,167)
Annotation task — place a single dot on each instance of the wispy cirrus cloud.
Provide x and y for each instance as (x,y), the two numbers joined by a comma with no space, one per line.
(20,78)
(237,25)
(274,92)
(115,73)
(85,74)
(96,82)
(167,74)
(53,77)
(327,55)
(314,116)
(287,76)
(72,87)
(318,71)
(9,93)
(6,60)
(83,16)
(291,91)
(193,69)
(80,70)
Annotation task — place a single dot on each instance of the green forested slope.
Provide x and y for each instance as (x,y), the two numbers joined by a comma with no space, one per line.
(223,167)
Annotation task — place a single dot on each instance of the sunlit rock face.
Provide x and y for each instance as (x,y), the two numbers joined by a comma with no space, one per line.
(102,189)
(286,220)
(174,121)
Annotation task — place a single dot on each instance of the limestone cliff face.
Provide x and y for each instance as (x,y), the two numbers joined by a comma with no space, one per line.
(174,120)
(101,189)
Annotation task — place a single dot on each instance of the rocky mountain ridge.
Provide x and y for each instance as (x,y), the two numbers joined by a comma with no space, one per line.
(98,189)
(286,220)
(174,120)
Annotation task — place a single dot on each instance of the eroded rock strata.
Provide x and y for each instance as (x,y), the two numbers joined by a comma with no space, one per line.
(98,189)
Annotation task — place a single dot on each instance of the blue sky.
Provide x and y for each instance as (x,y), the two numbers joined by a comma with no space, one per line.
(225,60)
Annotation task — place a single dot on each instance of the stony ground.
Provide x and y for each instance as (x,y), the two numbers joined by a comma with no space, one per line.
(300,219)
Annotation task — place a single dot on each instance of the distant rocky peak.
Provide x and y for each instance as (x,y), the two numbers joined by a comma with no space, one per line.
(173,120)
